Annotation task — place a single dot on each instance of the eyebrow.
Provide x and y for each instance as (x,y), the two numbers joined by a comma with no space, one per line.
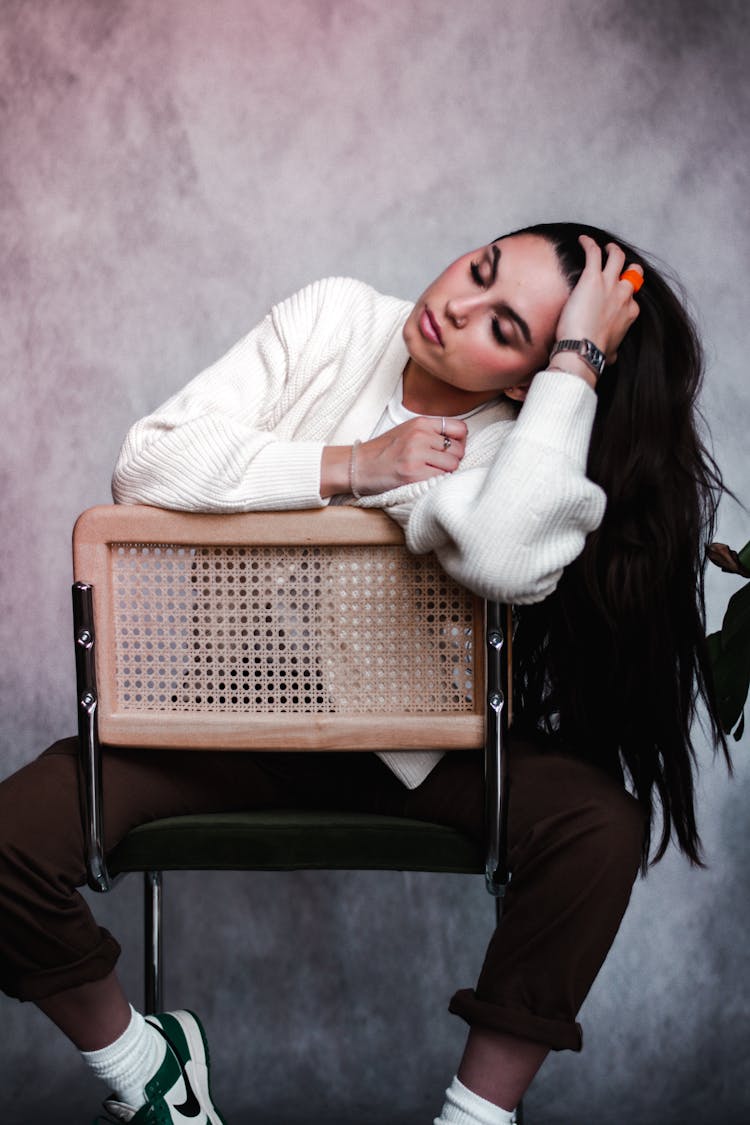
(495,259)
(507,310)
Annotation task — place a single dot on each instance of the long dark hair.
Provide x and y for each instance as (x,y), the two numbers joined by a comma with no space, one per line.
(614,663)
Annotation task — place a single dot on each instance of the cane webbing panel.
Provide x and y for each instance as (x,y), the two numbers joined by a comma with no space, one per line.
(284,630)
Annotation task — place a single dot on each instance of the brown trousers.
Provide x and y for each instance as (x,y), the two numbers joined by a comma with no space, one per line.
(574,838)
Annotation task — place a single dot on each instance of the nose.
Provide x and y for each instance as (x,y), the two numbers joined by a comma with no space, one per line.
(459,309)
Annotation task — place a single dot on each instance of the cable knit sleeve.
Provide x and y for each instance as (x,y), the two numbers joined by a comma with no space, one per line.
(214,446)
(507,530)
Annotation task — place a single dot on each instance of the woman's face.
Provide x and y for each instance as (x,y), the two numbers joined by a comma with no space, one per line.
(487,324)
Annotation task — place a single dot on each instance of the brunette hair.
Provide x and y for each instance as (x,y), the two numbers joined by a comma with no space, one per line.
(613,664)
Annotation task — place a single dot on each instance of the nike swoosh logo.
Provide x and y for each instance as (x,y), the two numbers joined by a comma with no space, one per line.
(191,1107)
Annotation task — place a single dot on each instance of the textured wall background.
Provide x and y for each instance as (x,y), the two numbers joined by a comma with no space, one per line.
(167,171)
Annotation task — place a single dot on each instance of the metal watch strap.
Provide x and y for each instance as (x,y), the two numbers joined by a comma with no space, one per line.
(586,349)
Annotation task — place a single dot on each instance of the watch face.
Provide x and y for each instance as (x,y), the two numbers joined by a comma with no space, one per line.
(593,355)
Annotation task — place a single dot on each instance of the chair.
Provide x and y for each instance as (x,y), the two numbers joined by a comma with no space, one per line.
(282,631)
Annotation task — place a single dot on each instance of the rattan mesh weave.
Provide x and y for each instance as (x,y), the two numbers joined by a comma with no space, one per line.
(345,629)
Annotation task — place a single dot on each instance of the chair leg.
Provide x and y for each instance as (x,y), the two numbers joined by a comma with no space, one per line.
(152,941)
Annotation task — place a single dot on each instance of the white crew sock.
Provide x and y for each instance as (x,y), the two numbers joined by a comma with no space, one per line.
(463,1107)
(131,1061)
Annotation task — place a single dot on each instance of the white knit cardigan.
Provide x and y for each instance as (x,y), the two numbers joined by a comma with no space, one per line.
(248,433)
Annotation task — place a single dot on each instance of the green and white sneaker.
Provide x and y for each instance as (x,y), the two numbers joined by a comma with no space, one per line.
(180,1091)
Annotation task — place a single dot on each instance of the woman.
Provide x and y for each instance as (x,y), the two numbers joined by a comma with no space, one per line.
(342,393)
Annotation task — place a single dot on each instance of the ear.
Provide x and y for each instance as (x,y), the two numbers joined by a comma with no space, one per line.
(518,394)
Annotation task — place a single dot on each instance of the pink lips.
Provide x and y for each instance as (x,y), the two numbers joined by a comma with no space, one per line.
(430,328)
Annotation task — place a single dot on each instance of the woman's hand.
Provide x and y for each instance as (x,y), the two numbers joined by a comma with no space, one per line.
(601,307)
(415,450)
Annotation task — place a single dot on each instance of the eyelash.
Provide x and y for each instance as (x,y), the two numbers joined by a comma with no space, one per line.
(497,331)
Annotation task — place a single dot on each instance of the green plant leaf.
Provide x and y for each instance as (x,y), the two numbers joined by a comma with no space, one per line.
(729,648)
(713,640)
(731,673)
(737,617)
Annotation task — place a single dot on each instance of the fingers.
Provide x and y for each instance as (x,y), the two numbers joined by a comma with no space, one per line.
(445,440)
(592,251)
(635,267)
(444,462)
(442,433)
(613,269)
(601,305)
(415,450)
(452,428)
(446,444)
(615,264)
(632,268)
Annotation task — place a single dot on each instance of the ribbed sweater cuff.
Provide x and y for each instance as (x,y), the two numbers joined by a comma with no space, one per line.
(558,414)
(290,475)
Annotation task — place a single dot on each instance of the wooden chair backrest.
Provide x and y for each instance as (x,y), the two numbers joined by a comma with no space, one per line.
(277,630)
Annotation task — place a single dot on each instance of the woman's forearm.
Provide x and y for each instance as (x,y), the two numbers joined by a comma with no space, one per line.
(335,470)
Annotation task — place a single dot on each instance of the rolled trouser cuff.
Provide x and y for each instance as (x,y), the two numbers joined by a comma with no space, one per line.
(558,1035)
(96,965)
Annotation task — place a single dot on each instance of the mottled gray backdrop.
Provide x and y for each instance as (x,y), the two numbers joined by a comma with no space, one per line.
(169,169)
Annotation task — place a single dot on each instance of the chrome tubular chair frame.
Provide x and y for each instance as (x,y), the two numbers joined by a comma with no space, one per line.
(88,735)
(498,639)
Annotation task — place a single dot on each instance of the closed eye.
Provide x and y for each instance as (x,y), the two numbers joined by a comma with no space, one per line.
(477,278)
(497,331)
(476,273)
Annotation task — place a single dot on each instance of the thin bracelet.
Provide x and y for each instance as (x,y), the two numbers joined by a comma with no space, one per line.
(353,472)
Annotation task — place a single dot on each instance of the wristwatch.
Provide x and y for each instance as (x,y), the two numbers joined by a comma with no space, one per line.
(586,349)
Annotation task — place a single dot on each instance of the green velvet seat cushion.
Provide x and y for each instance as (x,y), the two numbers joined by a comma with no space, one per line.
(288,841)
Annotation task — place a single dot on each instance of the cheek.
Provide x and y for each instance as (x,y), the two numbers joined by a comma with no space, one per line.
(493,367)
(514,369)
(480,357)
